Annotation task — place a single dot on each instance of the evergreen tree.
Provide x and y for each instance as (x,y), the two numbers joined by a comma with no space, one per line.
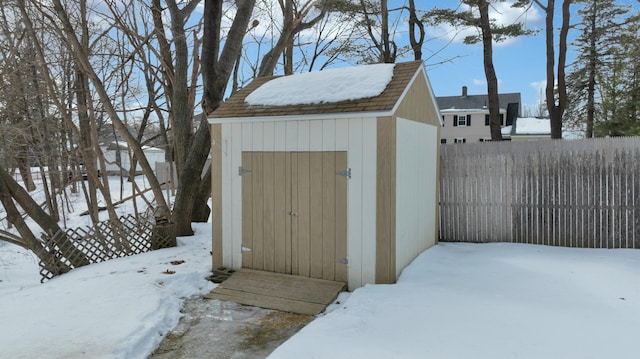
(620,85)
(599,28)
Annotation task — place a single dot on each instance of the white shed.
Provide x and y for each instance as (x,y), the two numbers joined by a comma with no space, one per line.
(330,174)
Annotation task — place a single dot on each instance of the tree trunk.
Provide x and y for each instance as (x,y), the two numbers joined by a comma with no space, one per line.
(416,42)
(556,108)
(45,221)
(490,73)
(186,202)
(182,114)
(593,59)
(210,53)
(28,240)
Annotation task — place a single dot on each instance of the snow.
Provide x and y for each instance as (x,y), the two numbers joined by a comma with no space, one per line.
(115,309)
(456,300)
(529,126)
(328,86)
(488,301)
(533,126)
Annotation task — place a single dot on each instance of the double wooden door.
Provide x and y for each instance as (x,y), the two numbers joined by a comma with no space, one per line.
(294,213)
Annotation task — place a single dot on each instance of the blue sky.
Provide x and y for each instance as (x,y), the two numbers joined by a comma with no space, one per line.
(520,63)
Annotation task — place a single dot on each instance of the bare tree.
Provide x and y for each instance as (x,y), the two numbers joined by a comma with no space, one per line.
(556,92)
(294,15)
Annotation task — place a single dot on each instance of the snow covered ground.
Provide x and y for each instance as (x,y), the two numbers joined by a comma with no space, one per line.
(116,309)
(456,300)
(488,301)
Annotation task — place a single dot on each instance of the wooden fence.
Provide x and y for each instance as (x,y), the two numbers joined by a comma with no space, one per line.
(564,193)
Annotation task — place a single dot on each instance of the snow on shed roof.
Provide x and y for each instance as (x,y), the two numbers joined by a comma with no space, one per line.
(335,85)
(238,106)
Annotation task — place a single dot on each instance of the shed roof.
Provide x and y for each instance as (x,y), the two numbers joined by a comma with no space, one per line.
(236,106)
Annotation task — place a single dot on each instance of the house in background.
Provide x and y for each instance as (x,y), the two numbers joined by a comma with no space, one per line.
(527,129)
(466,117)
(118,158)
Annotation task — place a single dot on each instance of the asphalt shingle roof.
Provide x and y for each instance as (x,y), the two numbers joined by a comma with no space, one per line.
(475,101)
(236,106)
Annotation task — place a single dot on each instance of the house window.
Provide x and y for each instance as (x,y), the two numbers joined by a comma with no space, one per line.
(443,141)
(460,140)
(462,120)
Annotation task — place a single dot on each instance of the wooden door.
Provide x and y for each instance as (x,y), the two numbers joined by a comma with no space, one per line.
(294,213)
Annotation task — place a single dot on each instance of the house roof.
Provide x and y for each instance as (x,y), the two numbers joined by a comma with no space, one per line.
(470,102)
(237,107)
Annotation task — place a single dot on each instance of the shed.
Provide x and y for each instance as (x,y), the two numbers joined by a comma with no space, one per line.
(329,174)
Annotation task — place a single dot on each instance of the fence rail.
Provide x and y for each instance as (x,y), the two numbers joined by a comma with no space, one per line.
(564,193)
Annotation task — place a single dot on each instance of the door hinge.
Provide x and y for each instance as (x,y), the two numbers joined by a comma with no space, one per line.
(243,171)
(342,260)
(245,249)
(345,173)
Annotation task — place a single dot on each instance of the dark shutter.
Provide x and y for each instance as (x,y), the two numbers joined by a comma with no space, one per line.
(486,120)
(502,119)
(512,112)
(443,122)
(455,120)
(468,120)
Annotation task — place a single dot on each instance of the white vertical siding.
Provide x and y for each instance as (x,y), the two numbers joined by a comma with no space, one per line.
(356,136)
(416,166)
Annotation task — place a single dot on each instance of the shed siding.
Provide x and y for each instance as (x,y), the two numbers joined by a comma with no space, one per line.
(416,164)
(356,136)
(417,104)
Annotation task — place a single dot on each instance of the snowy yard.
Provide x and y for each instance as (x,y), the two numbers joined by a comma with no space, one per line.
(488,301)
(454,301)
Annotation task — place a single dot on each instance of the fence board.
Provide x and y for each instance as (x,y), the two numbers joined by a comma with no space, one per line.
(562,193)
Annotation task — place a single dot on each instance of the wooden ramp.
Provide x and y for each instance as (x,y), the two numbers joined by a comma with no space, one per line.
(283,292)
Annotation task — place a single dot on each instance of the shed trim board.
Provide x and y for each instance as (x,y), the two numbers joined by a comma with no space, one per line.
(356,136)
(314,117)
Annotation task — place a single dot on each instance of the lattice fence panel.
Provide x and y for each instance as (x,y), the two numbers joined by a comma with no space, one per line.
(76,247)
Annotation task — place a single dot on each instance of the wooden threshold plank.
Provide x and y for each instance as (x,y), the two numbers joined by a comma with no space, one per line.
(278,291)
(285,286)
(264,301)
(244,272)
(307,293)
